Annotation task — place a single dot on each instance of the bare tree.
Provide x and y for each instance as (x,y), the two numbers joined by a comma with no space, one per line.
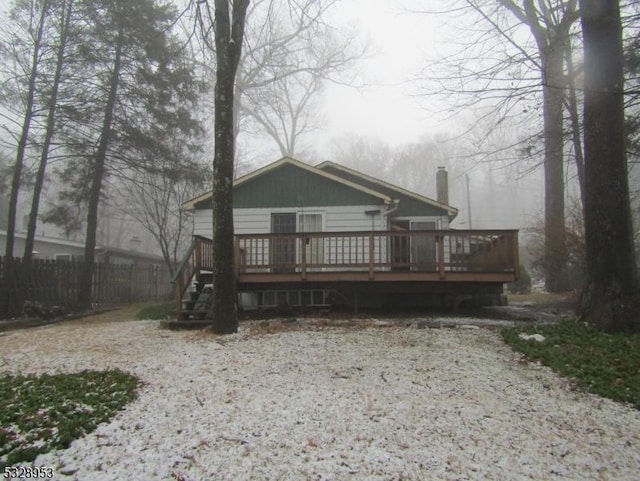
(281,109)
(572,105)
(38,11)
(550,22)
(507,74)
(412,166)
(65,9)
(291,53)
(371,156)
(155,199)
(610,296)
(3,192)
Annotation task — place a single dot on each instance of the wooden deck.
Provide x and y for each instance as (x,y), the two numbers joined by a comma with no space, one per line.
(328,259)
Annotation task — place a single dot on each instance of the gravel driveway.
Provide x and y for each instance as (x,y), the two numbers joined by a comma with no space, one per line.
(332,403)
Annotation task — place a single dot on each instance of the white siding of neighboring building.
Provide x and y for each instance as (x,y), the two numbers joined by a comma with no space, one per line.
(43,247)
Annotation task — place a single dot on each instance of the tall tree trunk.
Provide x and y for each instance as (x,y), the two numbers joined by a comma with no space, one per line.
(229,33)
(554,226)
(550,29)
(26,125)
(67,7)
(574,116)
(610,296)
(86,285)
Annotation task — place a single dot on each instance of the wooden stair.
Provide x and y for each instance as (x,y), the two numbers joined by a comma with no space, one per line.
(194,281)
(197,299)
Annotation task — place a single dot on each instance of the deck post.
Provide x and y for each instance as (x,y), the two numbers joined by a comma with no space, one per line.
(303,260)
(516,254)
(236,255)
(371,251)
(440,241)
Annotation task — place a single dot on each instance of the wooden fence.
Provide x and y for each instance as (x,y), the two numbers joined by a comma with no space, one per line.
(56,283)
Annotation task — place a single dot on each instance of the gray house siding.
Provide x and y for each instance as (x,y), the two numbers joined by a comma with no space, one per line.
(258,221)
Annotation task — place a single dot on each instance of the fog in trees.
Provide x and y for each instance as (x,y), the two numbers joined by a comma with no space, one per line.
(291,52)
(107,104)
(513,66)
(27,42)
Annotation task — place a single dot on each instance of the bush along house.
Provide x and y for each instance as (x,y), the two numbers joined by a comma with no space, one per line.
(328,235)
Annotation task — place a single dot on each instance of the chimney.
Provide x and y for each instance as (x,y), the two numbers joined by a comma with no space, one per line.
(442,186)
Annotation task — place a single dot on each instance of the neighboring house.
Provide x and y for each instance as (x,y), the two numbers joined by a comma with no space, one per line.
(62,249)
(121,276)
(329,228)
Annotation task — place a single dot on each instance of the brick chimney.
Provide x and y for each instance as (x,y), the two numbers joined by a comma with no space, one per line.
(442,186)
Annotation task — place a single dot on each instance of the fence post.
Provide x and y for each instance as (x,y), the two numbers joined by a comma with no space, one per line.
(155,282)
(4,288)
(132,275)
(516,254)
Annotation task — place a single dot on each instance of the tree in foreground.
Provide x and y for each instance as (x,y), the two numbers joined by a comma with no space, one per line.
(609,298)
(229,33)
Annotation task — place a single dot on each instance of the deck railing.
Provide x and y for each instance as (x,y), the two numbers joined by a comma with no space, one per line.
(379,251)
(487,251)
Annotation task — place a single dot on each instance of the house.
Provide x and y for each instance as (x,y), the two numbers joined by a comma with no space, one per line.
(291,196)
(314,235)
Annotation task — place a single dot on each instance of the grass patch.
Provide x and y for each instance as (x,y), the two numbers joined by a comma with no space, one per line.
(158,311)
(604,364)
(42,413)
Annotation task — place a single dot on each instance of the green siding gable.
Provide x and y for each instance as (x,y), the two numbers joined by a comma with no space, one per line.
(291,186)
(408,206)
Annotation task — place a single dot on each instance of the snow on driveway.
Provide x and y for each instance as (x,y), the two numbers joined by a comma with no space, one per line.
(377,403)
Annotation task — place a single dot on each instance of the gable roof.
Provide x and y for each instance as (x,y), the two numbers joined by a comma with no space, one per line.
(384,187)
(288,161)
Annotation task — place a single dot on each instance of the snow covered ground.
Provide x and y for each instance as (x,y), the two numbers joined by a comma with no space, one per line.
(332,403)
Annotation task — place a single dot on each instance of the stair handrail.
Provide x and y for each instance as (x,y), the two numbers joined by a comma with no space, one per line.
(191,263)
(185,260)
